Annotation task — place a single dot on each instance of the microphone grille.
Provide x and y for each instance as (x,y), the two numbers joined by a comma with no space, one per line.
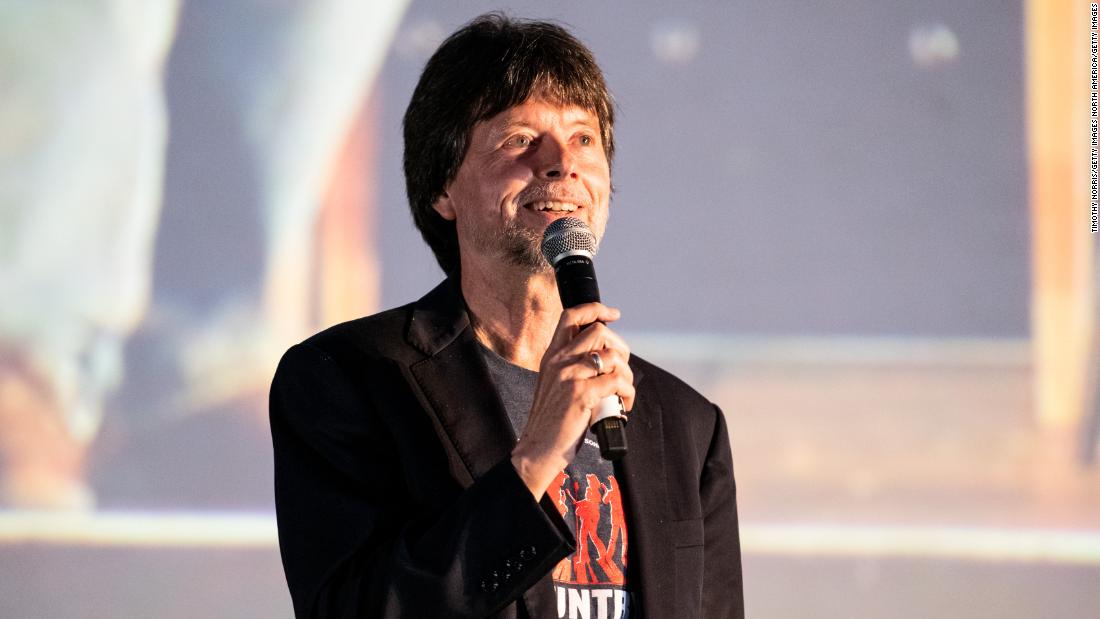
(567,235)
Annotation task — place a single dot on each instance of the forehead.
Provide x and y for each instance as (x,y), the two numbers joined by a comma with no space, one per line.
(539,113)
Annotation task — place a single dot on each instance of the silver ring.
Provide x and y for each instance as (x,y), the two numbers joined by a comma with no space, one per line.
(597,362)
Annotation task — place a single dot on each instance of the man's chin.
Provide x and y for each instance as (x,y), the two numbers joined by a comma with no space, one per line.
(531,261)
(522,248)
(516,248)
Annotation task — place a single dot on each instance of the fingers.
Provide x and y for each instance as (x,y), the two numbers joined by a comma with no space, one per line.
(587,314)
(616,370)
(594,338)
(616,377)
(611,361)
(604,385)
(581,362)
(579,334)
(582,329)
(572,320)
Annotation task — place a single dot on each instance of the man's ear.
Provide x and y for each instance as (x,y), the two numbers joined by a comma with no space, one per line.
(444,206)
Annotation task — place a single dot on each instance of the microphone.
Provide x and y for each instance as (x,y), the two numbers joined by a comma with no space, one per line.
(569,246)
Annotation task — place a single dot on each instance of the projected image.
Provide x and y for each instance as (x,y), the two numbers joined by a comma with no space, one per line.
(87,167)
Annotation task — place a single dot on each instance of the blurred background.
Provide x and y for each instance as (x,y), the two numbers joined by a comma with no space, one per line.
(861,227)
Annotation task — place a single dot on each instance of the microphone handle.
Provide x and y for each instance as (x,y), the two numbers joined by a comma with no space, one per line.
(610,428)
(576,276)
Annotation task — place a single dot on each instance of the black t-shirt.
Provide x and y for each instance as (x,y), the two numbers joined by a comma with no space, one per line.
(592,581)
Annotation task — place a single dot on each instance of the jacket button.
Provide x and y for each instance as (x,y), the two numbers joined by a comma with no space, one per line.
(508,564)
(523,555)
(533,551)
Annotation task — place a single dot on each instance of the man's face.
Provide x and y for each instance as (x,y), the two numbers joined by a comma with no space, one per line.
(524,168)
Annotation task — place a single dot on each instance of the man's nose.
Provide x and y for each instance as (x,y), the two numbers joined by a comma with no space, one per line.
(555,161)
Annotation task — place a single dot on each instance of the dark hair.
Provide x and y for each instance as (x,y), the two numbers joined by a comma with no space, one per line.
(489,65)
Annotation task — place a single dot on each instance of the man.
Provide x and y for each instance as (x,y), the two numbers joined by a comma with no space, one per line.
(401,489)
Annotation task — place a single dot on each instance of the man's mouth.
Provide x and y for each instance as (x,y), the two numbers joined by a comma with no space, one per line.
(553,206)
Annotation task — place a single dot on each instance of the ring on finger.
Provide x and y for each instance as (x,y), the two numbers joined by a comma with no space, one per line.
(597,362)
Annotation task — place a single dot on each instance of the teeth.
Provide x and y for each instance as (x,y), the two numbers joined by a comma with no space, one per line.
(554,206)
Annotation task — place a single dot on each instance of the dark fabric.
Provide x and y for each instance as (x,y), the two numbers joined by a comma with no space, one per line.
(395,495)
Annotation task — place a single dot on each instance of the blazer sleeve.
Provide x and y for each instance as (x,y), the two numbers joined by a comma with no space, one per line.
(723,592)
(351,543)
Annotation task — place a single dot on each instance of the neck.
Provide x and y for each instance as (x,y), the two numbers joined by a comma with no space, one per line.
(512,311)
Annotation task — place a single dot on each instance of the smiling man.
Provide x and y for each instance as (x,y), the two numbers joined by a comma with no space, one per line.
(435,460)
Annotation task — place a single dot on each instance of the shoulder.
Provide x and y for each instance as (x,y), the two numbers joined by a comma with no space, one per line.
(334,367)
(688,416)
(668,387)
(370,344)
(377,336)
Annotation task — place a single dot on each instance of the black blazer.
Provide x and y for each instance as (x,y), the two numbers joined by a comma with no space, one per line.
(396,497)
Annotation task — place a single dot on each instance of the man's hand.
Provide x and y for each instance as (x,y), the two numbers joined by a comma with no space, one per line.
(569,391)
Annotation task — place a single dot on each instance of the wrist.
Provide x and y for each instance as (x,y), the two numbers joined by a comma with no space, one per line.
(536,473)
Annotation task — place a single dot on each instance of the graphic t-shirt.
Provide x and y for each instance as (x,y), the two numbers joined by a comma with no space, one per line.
(592,581)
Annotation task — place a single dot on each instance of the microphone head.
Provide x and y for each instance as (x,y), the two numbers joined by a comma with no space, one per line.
(565,237)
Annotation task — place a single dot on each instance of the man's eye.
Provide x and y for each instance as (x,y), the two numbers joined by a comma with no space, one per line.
(519,141)
(586,140)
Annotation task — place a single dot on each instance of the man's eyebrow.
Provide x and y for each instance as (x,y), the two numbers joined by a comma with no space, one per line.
(591,123)
(514,124)
(523,124)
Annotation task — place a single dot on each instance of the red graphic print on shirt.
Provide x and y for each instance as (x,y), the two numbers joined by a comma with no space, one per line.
(600,530)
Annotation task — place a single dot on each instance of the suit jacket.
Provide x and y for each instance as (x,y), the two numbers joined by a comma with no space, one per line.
(396,497)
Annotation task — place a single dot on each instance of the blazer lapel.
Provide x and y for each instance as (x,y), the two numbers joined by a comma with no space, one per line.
(645,492)
(455,381)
